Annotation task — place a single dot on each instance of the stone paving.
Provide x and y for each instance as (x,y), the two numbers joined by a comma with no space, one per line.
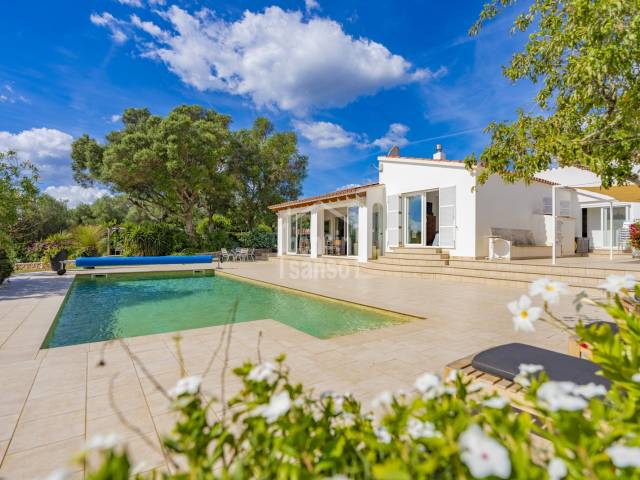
(52,401)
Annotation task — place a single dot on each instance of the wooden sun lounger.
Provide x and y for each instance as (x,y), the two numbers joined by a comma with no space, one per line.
(484,367)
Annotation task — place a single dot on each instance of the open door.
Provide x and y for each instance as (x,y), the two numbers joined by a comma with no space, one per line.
(393,220)
(447,220)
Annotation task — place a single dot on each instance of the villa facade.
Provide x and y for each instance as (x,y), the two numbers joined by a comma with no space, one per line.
(437,203)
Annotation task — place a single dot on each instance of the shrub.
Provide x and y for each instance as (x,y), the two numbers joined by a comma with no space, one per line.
(151,238)
(88,240)
(260,237)
(214,231)
(6,265)
(441,428)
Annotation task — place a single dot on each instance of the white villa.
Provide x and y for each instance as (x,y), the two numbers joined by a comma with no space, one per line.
(437,203)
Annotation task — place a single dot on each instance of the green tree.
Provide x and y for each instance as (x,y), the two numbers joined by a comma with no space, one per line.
(162,164)
(268,169)
(17,190)
(42,216)
(584,55)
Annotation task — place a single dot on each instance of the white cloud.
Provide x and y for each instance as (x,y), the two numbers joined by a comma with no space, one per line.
(396,135)
(37,143)
(326,134)
(275,57)
(8,95)
(311,5)
(75,195)
(116,118)
(131,3)
(110,22)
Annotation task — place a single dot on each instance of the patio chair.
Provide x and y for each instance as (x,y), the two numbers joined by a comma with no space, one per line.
(225,255)
(581,349)
(497,367)
(252,254)
(243,254)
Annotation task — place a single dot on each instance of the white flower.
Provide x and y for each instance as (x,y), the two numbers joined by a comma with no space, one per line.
(383,435)
(264,371)
(187,385)
(60,474)
(557,469)
(636,377)
(590,390)
(476,387)
(383,400)
(529,368)
(103,442)
(453,375)
(550,290)
(418,429)
(616,283)
(344,420)
(525,371)
(561,396)
(623,456)
(524,315)
(278,405)
(498,402)
(428,384)
(484,455)
(338,477)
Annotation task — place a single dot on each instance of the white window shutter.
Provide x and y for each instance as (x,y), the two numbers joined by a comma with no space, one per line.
(447,217)
(393,220)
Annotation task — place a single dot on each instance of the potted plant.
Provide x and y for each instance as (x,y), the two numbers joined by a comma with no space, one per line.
(56,249)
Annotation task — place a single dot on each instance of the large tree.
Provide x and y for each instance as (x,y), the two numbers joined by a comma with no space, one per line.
(267,168)
(17,191)
(162,164)
(585,57)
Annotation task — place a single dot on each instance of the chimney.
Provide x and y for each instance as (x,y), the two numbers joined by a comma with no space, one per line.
(394,152)
(439,155)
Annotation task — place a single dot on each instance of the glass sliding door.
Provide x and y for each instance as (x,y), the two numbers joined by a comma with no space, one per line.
(352,241)
(293,233)
(413,217)
(300,233)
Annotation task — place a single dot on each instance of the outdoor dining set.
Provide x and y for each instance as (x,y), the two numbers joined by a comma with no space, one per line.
(238,254)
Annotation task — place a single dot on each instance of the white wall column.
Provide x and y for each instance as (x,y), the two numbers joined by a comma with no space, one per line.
(281,235)
(314,232)
(363,233)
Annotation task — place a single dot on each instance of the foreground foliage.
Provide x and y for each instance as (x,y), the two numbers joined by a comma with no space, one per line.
(583,56)
(438,428)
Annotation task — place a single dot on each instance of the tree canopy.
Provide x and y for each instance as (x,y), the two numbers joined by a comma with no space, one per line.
(17,190)
(189,164)
(584,56)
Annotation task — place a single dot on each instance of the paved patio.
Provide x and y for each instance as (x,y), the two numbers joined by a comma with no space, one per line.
(53,400)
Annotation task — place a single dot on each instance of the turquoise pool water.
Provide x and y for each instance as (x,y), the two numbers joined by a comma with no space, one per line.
(128,305)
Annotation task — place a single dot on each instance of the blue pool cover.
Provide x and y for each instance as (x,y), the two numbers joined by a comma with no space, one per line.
(120,261)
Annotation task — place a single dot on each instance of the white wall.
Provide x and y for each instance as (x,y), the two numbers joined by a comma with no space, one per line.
(406,175)
(517,205)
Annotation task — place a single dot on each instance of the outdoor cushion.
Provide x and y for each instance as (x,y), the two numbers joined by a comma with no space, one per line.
(503,361)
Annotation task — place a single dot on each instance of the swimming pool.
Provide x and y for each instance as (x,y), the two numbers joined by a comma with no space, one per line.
(100,308)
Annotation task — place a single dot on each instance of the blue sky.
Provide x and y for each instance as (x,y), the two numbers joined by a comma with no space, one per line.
(351,77)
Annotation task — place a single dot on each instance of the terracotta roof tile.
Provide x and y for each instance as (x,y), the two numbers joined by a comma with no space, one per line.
(324,196)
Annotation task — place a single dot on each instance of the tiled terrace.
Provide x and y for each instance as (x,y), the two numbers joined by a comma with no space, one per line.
(53,400)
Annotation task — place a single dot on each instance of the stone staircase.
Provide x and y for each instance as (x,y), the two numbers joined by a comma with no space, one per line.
(434,263)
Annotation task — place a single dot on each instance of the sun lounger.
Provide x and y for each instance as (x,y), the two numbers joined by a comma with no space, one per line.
(581,349)
(497,368)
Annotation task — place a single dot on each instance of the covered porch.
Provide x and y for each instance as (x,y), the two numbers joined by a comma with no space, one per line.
(348,223)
